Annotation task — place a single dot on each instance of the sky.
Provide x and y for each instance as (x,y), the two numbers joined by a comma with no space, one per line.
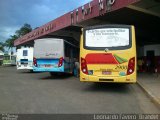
(15,13)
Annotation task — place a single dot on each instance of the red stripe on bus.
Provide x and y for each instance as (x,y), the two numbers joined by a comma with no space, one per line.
(100,58)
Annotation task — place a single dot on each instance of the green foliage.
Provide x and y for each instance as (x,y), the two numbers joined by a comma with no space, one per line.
(26,28)
(10,41)
(2,45)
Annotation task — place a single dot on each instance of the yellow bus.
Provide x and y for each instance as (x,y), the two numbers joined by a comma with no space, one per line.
(108,54)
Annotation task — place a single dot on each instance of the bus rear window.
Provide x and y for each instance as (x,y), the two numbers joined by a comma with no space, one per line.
(25,53)
(107,38)
(48,48)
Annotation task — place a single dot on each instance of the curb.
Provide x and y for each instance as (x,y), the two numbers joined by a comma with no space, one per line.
(150,94)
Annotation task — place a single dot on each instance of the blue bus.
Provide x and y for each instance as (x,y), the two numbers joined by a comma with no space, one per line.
(55,55)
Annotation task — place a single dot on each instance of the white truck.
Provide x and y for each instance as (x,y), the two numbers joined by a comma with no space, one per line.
(24,58)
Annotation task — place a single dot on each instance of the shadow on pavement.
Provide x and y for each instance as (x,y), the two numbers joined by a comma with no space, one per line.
(109,87)
(57,77)
(27,72)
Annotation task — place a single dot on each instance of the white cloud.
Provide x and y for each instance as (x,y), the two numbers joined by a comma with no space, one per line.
(14,13)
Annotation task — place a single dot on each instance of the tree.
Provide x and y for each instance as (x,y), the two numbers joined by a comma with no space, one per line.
(26,28)
(2,46)
(10,42)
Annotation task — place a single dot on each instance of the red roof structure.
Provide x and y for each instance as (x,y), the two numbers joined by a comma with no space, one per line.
(93,9)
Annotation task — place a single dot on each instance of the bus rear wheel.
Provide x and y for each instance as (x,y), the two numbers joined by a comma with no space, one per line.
(56,73)
(53,74)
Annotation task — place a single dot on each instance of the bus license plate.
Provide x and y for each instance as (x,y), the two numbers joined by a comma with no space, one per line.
(47,66)
(25,65)
(106,72)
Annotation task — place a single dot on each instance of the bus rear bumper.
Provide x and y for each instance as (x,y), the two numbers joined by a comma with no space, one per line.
(25,68)
(121,79)
(36,69)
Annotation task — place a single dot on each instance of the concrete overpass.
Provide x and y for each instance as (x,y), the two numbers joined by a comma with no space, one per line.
(144,14)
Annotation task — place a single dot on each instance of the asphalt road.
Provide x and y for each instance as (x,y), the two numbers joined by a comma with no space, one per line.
(25,92)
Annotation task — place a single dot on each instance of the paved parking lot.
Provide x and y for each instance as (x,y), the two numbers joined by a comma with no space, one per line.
(25,92)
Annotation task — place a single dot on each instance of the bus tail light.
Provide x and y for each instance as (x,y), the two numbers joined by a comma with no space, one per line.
(131,66)
(34,61)
(60,62)
(84,66)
